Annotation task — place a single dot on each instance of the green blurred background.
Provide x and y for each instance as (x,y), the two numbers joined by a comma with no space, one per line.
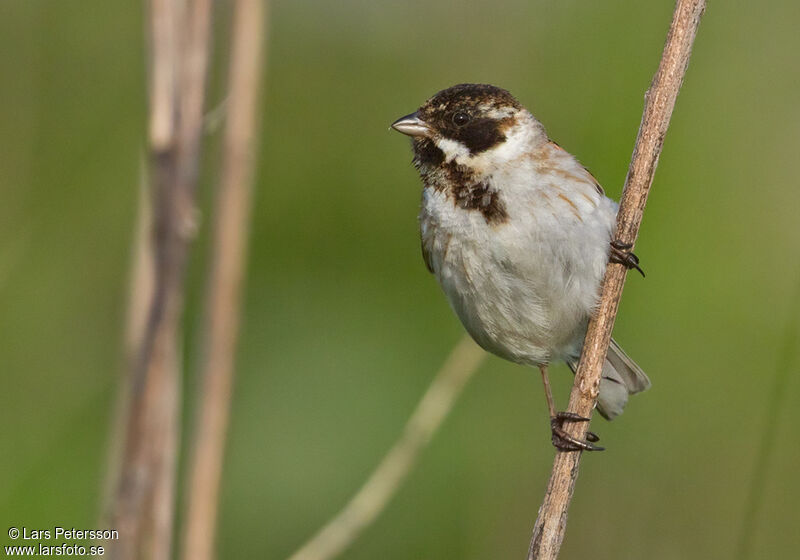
(343,326)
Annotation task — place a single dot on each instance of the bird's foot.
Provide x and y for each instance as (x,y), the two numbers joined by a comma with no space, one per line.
(621,253)
(565,442)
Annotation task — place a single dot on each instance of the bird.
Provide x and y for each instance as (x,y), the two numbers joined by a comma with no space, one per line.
(518,234)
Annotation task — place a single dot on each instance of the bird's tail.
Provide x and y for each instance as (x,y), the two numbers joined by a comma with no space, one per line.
(621,377)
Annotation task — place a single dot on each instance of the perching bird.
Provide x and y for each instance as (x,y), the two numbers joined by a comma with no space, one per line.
(518,235)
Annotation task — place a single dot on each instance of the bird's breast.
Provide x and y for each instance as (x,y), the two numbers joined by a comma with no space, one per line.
(523,288)
(486,279)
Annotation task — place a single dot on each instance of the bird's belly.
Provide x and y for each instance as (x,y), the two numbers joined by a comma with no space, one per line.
(500,312)
(510,291)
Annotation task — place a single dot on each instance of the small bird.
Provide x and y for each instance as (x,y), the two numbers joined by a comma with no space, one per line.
(518,234)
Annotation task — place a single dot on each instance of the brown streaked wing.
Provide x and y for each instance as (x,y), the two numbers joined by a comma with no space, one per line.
(589,175)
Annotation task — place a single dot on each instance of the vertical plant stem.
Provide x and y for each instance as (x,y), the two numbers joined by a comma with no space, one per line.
(140,290)
(224,292)
(143,504)
(548,532)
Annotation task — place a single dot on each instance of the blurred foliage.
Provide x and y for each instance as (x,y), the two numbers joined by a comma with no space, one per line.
(343,327)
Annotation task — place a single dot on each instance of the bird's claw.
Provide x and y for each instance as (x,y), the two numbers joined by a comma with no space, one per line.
(621,253)
(565,442)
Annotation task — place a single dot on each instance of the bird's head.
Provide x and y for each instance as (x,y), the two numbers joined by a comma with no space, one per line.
(476,126)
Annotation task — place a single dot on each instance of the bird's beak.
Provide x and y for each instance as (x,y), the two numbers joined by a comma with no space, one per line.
(411,125)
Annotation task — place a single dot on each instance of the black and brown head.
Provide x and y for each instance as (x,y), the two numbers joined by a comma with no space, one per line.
(462,135)
(459,123)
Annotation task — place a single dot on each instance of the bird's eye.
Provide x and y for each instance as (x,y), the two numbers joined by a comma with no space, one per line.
(460,119)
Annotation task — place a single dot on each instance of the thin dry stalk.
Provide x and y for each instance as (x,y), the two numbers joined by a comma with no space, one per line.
(548,532)
(374,495)
(142,508)
(139,294)
(229,248)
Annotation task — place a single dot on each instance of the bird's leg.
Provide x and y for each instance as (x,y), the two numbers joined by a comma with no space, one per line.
(621,253)
(561,439)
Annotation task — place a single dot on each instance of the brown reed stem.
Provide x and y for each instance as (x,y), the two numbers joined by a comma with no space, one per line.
(548,532)
(143,505)
(224,293)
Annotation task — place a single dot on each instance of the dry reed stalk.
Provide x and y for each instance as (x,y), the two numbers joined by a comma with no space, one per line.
(373,497)
(548,532)
(224,293)
(142,509)
(139,293)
